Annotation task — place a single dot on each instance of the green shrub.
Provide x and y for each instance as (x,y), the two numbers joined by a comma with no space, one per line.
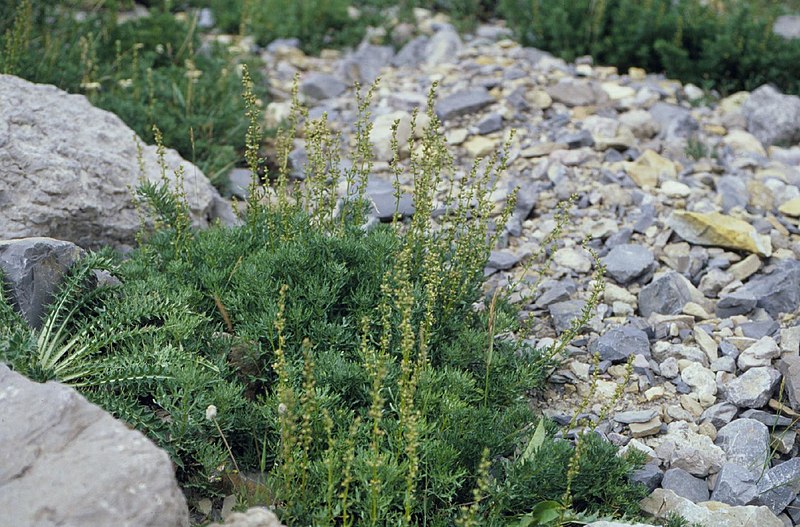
(729,49)
(348,366)
(146,71)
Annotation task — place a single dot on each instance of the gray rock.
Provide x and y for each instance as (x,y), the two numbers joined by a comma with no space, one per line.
(735,485)
(564,313)
(502,260)
(759,329)
(793,510)
(620,343)
(239,180)
(666,295)
(772,117)
(83,161)
(739,302)
(769,419)
(675,122)
(649,475)
(385,204)
(663,502)
(67,462)
(205,18)
(463,103)
(32,271)
(252,517)
(685,485)
(635,416)
(693,452)
(558,292)
(578,139)
(321,86)
(625,263)
(779,486)
(732,191)
(365,63)
(787,26)
(575,92)
(745,442)
(412,54)
(789,366)
(777,292)
(443,47)
(753,388)
(491,123)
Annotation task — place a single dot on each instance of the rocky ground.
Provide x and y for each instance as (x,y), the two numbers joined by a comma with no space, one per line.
(691,202)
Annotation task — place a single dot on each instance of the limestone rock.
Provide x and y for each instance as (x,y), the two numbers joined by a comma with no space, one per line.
(709,514)
(773,117)
(67,462)
(462,103)
(83,161)
(719,230)
(650,168)
(253,517)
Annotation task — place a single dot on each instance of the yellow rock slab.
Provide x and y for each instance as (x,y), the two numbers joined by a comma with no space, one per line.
(719,230)
(651,167)
(791,208)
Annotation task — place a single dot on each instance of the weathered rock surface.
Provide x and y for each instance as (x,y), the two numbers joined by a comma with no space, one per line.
(66,170)
(709,514)
(64,461)
(253,517)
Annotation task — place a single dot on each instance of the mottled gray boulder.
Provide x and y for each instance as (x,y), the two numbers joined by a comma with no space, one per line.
(412,54)
(789,366)
(774,118)
(320,86)
(32,271)
(649,475)
(719,414)
(66,170)
(564,313)
(365,63)
(779,486)
(674,122)
(753,388)
(577,92)
(64,461)
(463,103)
(663,502)
(746,442)
(443,47)
(685,485)
(620,343)
(627,262)
(735,485)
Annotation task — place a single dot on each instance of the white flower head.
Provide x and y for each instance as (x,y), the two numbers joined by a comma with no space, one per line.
(282,409)
(211,412)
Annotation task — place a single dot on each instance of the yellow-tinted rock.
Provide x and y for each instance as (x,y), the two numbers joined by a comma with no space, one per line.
(540,99)
(741,142)
(649,168)
(617,92)
(637,74)
(791,208)
(719,230)
(479,146)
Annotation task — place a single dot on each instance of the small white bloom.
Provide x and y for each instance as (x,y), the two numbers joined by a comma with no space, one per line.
(211,412)
(282,408)
(125,83)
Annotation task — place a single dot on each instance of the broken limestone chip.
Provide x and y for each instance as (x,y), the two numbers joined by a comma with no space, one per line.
(719,230)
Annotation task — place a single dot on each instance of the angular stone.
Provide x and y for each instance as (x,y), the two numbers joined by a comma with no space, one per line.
(746,442)
(617,344)
(365,63)
(735,485)
(772,117)
(649,475)
(753,388)
(719,414)
(790,208)
(780,485)
(491,123)
(574,258)
(777,292)
(694,453)
(33,269)
(563,313)
(321,86)
(759,354)
(463,103)
(66,170)
(624,263)
(685,485)
(719,230)
(662,502)
(67,462)
(381,134)
(650,168)
(479,146)
(385,204)
(575,92)
(667,294)
(702,380)
(789,366)
(502,260)
(649,428)
(635,416)
(443,47)
(676,122)
(769,419)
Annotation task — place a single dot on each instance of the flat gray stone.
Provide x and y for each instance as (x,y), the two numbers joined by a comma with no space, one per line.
(627,262)
(746,442)
(64,461)
(735,485)
(463,103)
(774,118)
(665,295)
(779,486)
(620,343)
(685,485)
(753,388)
(563,313)
(634,416)
(321,86)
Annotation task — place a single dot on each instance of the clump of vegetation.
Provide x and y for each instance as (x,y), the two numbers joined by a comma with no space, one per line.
(340,371)
(147,70)
(727,46)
